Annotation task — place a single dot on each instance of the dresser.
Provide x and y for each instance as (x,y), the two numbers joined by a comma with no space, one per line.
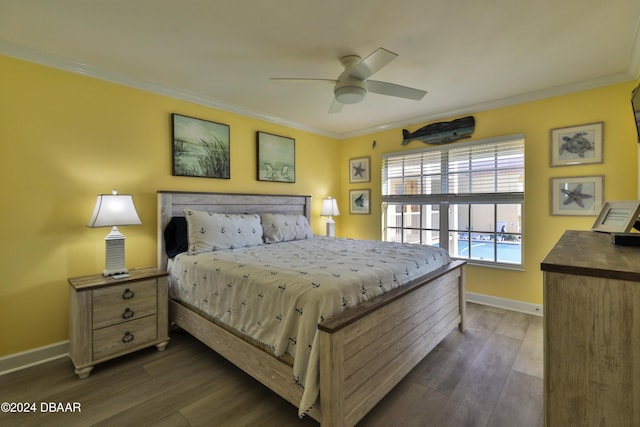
(591,332)
(111,317)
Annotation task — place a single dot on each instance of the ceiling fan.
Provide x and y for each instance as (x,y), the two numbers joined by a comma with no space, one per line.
(353,83)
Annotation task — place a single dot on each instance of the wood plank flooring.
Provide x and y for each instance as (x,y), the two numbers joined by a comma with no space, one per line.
(489,376)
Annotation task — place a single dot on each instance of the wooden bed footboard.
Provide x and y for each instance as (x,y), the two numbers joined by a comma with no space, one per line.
(366,351)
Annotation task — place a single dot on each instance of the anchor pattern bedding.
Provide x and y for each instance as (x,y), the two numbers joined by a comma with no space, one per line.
(276,294)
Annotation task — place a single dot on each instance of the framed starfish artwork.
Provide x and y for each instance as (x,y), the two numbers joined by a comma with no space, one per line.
(577,195)
(359,170)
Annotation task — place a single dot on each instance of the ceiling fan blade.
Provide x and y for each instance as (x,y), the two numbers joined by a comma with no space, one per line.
(372,63)
(391,89)
(335,107)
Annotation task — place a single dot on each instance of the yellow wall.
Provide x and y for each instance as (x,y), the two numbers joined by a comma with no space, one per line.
(610,105)
(67,137)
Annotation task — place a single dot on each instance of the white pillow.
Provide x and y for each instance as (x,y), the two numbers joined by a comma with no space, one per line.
(282,228)
(208,231)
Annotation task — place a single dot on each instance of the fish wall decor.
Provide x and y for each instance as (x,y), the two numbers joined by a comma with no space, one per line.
(442,132)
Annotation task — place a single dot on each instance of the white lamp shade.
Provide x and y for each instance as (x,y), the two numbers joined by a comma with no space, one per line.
(329,207)
(113,210)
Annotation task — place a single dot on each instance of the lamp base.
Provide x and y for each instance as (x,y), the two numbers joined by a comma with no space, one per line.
(114,254)
(331,228)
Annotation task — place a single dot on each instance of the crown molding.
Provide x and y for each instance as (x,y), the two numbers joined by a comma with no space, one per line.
(499,103)
(62,63)
(55,61)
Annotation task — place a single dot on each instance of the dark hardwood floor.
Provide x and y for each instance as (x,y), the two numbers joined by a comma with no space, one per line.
(489,376)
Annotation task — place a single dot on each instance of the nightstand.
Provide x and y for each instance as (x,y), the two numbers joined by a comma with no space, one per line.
(111,317)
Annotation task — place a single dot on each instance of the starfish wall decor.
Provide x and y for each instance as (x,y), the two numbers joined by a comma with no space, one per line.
(575,196)
(359,169)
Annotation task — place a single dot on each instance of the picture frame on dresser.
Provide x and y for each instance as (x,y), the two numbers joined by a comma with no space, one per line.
(577,195)
(617,217)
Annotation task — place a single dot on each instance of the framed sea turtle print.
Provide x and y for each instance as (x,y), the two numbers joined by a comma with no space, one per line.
(577,145)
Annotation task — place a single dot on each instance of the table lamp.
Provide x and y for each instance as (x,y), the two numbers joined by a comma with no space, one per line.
(112,210)
(330,209)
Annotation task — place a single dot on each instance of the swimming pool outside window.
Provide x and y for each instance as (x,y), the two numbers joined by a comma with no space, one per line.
(479,186)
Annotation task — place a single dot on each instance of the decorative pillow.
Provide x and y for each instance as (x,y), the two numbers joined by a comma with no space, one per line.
(175,236)
(282,228)
(210,231)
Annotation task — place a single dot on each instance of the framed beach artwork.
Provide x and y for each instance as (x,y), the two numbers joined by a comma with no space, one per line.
(577,145)
(200,148)
(276,158)
(359,170)
(359,202)
(577,195)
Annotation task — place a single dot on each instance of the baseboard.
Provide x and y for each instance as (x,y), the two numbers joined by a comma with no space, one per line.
(25,359)
(508,304)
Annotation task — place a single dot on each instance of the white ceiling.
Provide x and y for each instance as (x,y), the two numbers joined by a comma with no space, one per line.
(468,54)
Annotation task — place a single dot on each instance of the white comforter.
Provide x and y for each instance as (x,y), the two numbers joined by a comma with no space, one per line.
(278,293)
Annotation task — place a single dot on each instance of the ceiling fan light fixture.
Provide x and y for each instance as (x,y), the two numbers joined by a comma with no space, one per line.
(353,84)
(350,94)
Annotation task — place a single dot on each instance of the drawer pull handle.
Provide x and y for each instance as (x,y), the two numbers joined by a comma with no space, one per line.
(128,294)
(128,337)
(128,313)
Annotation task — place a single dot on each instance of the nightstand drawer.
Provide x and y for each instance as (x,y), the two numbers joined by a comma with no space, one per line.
(123,337)
(121,303)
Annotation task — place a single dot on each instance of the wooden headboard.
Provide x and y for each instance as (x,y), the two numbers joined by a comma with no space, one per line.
(173,203)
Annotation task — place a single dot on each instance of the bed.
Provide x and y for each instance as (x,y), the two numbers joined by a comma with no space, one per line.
(362,351)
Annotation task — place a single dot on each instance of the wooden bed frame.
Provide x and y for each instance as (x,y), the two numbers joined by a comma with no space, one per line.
(389,335)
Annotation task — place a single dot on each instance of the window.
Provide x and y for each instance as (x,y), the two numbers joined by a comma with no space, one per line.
(465,197)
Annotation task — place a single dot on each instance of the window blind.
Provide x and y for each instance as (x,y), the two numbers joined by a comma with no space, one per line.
(489,167)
